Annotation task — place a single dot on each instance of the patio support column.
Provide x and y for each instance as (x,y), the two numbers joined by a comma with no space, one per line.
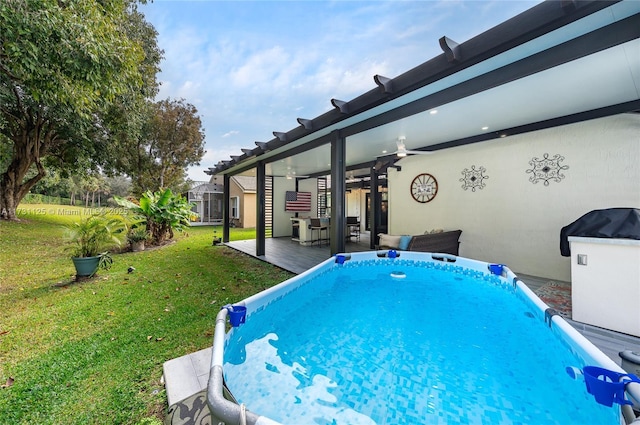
(338,191)
(260,208)
(226,194)
(374,211)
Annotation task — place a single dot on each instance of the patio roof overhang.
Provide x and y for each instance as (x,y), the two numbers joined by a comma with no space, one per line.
(557,63)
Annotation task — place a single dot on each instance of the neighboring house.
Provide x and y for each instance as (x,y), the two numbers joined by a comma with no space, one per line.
(242,199)
(208,199)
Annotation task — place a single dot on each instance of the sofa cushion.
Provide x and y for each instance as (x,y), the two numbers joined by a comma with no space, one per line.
(404,242)
(391,241)
(444,242)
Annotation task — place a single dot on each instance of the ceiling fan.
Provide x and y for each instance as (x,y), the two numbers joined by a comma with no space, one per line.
(292,175)
(402,150)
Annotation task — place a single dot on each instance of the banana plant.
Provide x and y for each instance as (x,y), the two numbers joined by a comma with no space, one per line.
(163,212)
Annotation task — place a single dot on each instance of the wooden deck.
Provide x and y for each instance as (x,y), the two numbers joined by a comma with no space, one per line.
(290,255)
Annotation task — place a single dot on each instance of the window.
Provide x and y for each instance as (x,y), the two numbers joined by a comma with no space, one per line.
(235,207)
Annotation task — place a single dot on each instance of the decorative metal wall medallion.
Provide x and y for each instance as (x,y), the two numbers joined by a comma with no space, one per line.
(473,179)
(547,169)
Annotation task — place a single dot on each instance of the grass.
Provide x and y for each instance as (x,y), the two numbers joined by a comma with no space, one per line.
(92,352)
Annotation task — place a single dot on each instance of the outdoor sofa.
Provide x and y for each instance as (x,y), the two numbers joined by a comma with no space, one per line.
(431,241)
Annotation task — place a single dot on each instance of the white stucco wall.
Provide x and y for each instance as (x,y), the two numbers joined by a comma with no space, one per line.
(512,220)
(281,222)
(356,205)
(282,219)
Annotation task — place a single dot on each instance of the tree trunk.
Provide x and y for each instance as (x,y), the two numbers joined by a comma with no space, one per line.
(162,169)
(27,150)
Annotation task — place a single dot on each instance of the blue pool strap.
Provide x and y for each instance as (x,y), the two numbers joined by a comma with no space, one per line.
(605,385)
(237,314)
(496,269)
(341,258)
(392,253)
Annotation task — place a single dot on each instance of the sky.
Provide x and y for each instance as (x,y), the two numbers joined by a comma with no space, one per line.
(253,67)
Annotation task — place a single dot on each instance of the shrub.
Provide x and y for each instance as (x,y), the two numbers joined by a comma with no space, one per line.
(162,212)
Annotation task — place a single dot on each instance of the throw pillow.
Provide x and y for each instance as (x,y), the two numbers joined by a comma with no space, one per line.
(390,241)
(404,242)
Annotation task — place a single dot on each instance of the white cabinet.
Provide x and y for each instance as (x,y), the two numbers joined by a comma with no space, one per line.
(300,230)
(605,283)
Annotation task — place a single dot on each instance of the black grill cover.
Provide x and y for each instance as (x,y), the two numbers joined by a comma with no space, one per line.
(620,223)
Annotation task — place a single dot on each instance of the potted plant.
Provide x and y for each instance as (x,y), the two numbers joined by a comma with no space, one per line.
(216,239)
(136,237)
(91,238)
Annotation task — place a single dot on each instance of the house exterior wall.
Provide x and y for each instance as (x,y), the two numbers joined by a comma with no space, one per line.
(247,204)
(512,220)
(248,210)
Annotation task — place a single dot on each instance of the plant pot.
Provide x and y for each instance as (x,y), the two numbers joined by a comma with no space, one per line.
(137,246)
(86,266)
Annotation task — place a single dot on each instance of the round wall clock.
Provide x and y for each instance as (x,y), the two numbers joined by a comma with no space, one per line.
(424,188)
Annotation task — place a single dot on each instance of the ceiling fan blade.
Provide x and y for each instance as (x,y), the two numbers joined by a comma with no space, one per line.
(405,152)
(386,155)
(419,152)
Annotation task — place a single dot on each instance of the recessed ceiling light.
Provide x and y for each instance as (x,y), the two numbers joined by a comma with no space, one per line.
(433,111)
(384,151)
(485,128)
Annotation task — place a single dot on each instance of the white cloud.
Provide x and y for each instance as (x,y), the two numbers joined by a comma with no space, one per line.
(253,67)
(230,133)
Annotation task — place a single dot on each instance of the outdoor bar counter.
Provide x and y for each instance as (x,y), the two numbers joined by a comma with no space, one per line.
(605,283)
(301,230)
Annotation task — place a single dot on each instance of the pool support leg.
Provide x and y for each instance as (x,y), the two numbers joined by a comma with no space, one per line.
(224,410)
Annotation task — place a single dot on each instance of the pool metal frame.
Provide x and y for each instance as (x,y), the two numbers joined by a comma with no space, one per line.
(225,409)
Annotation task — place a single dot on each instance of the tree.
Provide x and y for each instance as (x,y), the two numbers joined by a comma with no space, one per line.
(53,184)
(73,76)
(119,185)
(171,140)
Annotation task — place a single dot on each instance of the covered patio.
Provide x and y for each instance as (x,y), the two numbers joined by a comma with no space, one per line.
(503,132)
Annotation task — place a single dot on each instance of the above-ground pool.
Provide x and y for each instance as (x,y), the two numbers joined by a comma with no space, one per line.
(369,339)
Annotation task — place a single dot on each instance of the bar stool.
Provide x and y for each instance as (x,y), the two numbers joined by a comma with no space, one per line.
(316,224)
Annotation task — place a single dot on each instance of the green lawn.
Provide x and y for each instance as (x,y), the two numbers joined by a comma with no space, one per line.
(92,352)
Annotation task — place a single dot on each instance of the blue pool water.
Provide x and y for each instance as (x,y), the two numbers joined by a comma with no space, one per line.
(355,345)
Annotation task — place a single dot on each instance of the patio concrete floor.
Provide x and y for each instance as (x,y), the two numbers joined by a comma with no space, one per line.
(187,375)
